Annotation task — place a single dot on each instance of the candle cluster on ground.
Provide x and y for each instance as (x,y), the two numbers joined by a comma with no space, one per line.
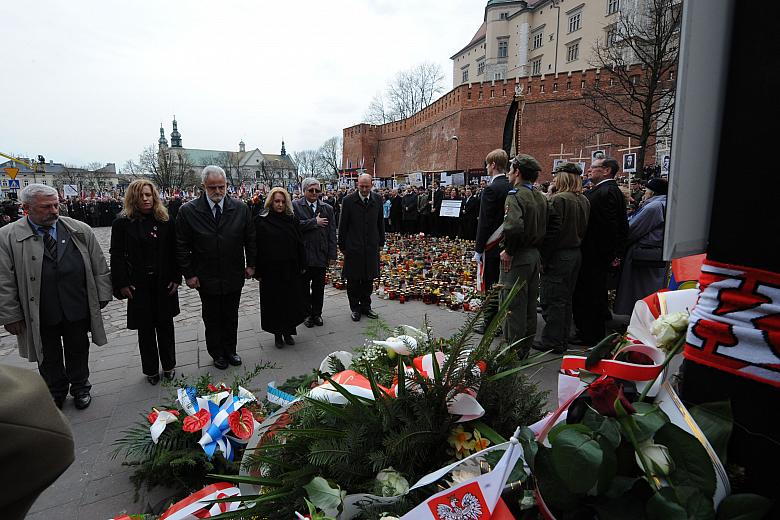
(436,271)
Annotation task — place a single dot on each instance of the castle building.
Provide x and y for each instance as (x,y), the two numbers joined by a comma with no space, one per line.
(248,169)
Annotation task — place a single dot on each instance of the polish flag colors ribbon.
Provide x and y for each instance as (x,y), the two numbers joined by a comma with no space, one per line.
(197,505)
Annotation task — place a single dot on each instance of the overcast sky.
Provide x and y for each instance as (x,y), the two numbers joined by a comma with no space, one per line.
(91,80)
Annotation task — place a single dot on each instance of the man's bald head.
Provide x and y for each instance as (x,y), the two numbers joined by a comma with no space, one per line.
(364,184)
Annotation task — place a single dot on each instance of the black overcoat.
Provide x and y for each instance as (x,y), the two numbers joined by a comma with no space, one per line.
(216,254)
(129,248)
(361,235)
(319,242)
(607,231)
(281,260)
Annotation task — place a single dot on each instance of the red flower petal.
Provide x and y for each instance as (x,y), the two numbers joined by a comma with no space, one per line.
(603,394)
(193,423)
(152,416)
(212,388)
(242,423)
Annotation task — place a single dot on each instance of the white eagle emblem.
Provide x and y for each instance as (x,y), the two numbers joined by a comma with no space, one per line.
(471,510)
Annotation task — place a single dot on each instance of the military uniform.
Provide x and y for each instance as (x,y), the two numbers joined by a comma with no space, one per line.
(525,225)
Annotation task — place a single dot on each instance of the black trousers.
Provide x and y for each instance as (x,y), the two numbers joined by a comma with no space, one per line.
(314,290)
(157,344)
(220,316)
(590,306)
(492,270)
(359,294)
(68,338)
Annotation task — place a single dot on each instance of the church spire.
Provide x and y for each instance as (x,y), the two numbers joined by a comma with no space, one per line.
(175,135)
(162,142)
(284,152)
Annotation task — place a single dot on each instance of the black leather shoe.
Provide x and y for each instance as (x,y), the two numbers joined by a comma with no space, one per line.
(278,341)
(234,359)
(221,363)
(308,322)
(288,339)
(153,380)
(169,374)
(355,316)
(370,314)
(82,401)
(317,321)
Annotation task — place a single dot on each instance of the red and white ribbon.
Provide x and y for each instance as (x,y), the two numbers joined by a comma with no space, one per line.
(197,504)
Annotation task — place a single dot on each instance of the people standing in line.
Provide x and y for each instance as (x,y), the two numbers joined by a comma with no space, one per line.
(525,225)
(601,250)
(410,214)
(215,249)
(54,280)
(469,212)
(491,216)
(361,236)
(561,257)
(145,273)
(318,230)
(644,270)
(281,262)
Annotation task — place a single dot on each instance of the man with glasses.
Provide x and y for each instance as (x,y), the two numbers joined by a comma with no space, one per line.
(601,250)
(216,248)
(318,227)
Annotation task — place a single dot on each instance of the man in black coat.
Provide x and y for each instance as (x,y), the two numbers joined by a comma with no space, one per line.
(396,212)
(435,224)
(491,216)
(318,227)
(410,213)
(216,250)
(469,213)
(601,249)
(361,236)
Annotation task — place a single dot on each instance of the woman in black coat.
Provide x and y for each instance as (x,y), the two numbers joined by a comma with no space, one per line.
(280,261)
(144,271)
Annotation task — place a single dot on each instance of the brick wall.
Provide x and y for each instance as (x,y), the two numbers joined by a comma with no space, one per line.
(476,113)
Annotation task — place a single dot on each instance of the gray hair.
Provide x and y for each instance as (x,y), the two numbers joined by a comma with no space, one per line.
(307,182)
(32,191)
(212,169)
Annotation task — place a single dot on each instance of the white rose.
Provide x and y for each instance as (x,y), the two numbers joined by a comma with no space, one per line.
(657,455)
(668,329)
(390,483)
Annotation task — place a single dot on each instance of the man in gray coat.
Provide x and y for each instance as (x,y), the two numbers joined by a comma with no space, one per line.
(318,227)
(215,248)
(53,282)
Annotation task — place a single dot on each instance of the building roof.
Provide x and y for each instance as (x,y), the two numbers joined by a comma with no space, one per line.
(478,36)
(199,157)
(279,161)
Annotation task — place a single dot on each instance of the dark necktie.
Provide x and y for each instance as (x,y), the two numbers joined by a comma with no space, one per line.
(49,242)
(217,213)
(313,209)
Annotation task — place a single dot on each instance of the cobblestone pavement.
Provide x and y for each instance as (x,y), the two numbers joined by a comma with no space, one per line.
(97,487)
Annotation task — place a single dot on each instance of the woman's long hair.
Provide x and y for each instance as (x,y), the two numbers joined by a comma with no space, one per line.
(287,201)
(565,181)
(132,201)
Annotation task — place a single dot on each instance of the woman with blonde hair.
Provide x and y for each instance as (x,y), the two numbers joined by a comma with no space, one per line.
(561,257)
(281,260)
(144,271)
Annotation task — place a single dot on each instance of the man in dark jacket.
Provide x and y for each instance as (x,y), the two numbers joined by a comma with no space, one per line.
(216,249)
(491,216)
(601,249)
(361,236)
(396,212)
(410,211)
(318,227)
(469,212)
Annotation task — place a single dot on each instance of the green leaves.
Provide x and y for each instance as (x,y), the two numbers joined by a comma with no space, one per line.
(576,457)
(648,419)
(602,350)
(716,422)
(693,466)
(744,506)
(324,497)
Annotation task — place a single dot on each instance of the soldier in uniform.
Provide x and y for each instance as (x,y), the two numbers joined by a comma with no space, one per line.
(526,212)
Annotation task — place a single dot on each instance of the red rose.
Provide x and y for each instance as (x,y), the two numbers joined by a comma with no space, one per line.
(242,423)
(196,422)
(603,394)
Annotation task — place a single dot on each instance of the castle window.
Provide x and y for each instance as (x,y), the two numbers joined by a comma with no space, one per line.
(536,67)
(613,6)
(573,51)
(537,40)
(575,21)
(480,67)
(503,49)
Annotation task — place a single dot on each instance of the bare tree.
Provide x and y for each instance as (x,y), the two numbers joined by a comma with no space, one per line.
(231,163)
(168,169)
(309,163)
(330,156)
(72,175)
(640,50)
(410,91)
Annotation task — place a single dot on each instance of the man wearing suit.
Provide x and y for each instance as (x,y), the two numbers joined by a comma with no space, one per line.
(53,282)
(396,212)
(601,249)
(469,212)
(437,195)
(491,216)
(361,236)
(410,214)
(216,249)
(318,227)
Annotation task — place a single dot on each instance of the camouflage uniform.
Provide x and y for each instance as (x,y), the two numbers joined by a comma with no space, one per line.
(525,224)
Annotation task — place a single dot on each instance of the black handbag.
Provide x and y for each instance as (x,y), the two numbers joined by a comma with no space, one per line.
(648,256)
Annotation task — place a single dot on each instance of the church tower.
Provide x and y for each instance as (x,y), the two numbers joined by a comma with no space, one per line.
(284,152)
(175,135)
(162,142)
(241,146)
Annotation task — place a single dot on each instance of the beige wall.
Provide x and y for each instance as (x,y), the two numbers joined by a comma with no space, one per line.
(521,25)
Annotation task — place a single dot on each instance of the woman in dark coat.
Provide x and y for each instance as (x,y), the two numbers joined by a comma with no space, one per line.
(144,271)
(280,261)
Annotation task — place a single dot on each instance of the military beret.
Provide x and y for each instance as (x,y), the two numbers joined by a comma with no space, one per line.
(568,167)
(527,163)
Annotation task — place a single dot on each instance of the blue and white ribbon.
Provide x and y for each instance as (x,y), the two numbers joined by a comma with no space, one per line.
(279,397)
(214,438)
